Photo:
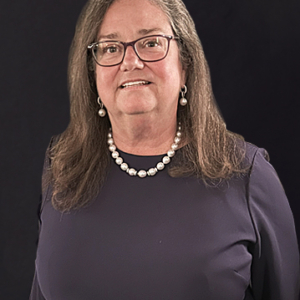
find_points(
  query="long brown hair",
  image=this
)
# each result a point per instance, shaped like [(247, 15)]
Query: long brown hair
[(80, 159)]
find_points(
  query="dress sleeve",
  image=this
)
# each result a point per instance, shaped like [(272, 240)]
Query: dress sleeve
[(36, 293), (275, 264)]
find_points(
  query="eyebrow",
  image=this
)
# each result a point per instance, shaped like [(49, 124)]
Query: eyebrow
[(147, 31), (115, 35)]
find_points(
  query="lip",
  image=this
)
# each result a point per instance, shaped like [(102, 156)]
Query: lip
[(133, 80)]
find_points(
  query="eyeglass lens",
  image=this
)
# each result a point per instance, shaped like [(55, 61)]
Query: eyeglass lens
[(148, 49)]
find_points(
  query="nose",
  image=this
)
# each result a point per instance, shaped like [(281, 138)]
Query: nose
[(131, 61)]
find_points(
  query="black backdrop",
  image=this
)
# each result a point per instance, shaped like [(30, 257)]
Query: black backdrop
[(252, 48)]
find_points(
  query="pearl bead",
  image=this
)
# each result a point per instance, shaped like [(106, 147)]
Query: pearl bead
[(142, 173), (178, 133), (132, 172), (166, 160), (110, 141), (102, 112), (174, 146), (171, 153), (119, 160), (112, 148), (177, 139), (160, 166), (179, 128), (115, 154), (124, 166), (183, 101), (151, 172), (109, 135)]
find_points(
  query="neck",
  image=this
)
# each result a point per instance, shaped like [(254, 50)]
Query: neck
[(141, 136)]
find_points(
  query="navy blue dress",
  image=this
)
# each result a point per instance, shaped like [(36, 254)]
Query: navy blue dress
[(172, 238)]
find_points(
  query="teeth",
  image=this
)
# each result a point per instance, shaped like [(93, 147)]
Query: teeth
[(127, 84)]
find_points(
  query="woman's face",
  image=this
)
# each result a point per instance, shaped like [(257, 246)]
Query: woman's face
[(128, 20)]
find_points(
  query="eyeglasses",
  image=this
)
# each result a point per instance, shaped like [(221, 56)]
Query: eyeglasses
[(148, 49)]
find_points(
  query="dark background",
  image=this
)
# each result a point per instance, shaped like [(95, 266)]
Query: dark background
[(252, 48)]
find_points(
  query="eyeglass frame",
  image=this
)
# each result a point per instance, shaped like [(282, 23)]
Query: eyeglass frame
[(125, 45)]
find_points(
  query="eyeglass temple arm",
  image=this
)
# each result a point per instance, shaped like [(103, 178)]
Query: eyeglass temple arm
[(92, 45)]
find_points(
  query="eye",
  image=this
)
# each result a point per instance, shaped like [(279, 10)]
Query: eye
[(151, 43), (109, 48)]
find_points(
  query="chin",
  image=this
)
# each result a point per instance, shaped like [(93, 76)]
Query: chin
[(137, 111), (137, 108)]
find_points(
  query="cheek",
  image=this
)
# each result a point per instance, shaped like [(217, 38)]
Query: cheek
[(105, 80), (170, 73)]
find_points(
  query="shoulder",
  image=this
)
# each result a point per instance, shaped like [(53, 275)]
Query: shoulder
[(266, 196), (47, 162), (257, 163), (260, 168), (254, 155), (264, 190), (262, 177), (53, 141)]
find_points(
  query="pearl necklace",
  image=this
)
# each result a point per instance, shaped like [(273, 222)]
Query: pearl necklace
[(142, 173)]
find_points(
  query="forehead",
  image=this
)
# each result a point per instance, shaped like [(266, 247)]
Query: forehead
[(134, 18)]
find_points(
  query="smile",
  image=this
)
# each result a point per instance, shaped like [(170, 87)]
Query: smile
[(134, 83)]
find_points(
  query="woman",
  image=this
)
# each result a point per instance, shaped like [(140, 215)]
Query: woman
[(118, 219)]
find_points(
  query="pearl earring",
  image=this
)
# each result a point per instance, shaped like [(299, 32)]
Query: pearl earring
[(183, 101), (101, 111)]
